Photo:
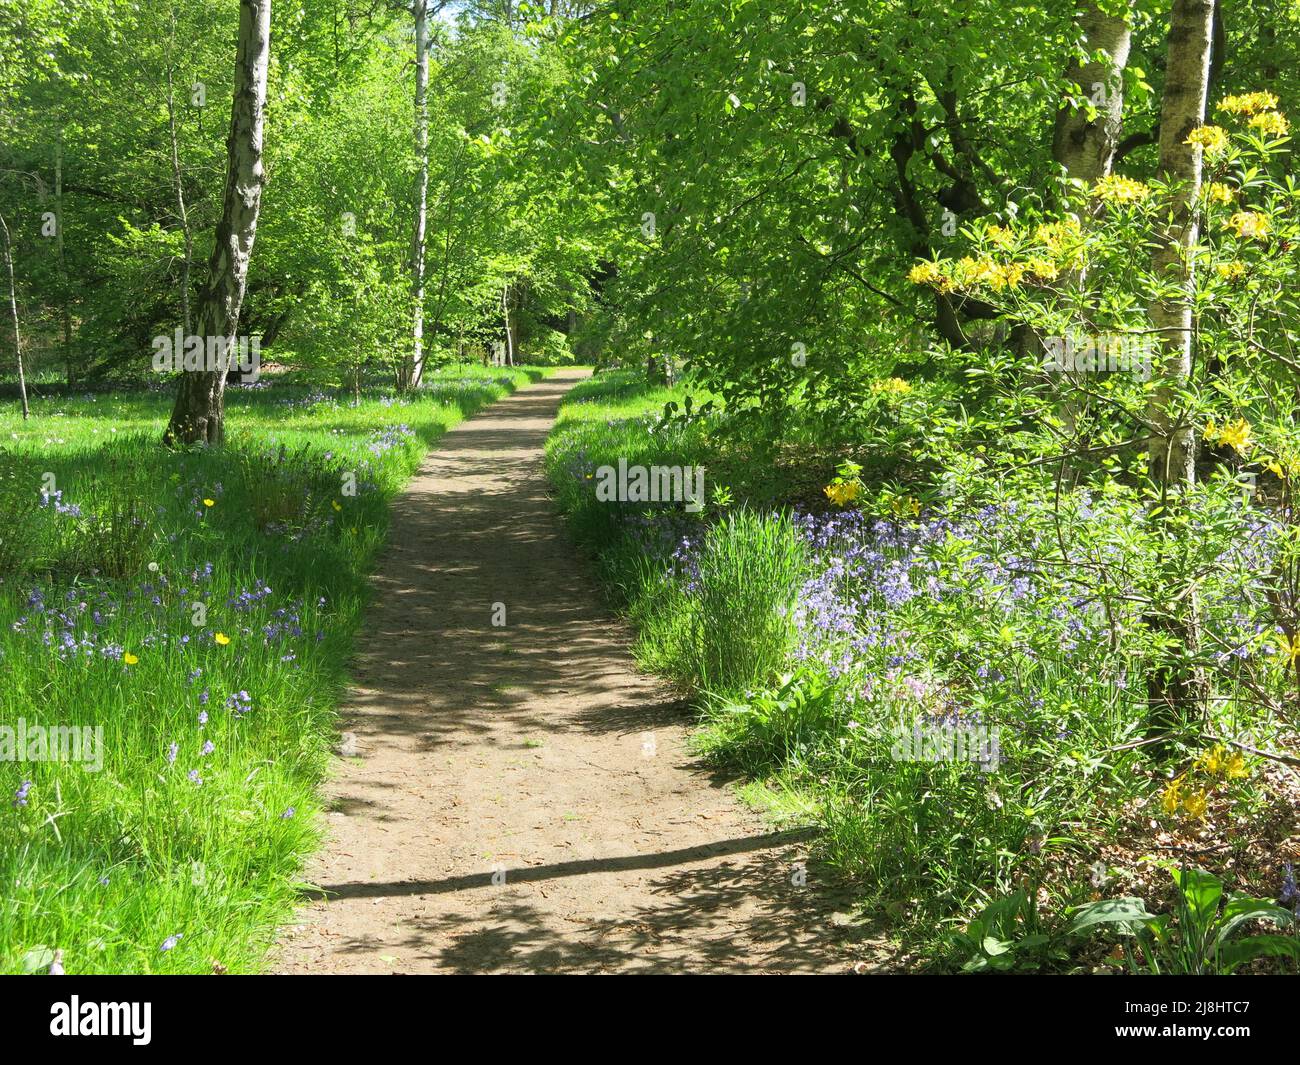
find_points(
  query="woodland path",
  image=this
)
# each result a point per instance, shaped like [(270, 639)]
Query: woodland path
[(523, 799)]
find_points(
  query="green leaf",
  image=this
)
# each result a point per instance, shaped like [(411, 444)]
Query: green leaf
[(1239, 910), (1202, 891), (1235, 954), (1127, 912)]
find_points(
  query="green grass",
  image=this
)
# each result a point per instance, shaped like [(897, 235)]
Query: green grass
[(108, 865), (928, 625)]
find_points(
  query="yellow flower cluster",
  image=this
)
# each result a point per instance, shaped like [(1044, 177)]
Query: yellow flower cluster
[(1235, 434), (1250, 224), (894, 385), (842, 493), (1218, 192), (1217, 762), (1061, 238), (1114, 188), (1000, 236), (1212, 138), (1270, 123), (1231, 271), (1218, 766), (930, 273), (1043, 269), (1063, 242), (1249, 103)]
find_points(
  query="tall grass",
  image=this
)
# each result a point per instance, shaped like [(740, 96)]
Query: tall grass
[(742, 600), (814, 642), (198, 607)]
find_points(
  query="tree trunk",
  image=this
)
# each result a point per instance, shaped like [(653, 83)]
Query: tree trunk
[(1086, 148), (505, 313), (177, 178), (13, 313), (199, 413), (421, 190), (1175, 688), (65, 292)]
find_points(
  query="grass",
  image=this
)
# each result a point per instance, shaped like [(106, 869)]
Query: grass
[(147, 588), (807, 641)]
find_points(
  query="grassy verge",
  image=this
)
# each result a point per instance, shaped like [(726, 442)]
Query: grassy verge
[(839, 655), (195, 612)]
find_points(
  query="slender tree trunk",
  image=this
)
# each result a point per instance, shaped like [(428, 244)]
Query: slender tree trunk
[(65, 293), (1173, 442), (13, 314), (178, 180), (421, 189), (199, 413), (1174, 689), (505, 313), (1086, 147)]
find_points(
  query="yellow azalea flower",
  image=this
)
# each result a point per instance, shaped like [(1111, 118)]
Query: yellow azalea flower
[(209, 502), (1006, 276), (1275, 468), (1235, 434), (1271, 123), (1115, 188), (1196, 805), (1248, 103), (1218, 192), (975, 271), (1250, 224), (222, 638), (129, 658), (1212, 138), (895, 385), (1058, 236), (932, 274), (1231, 271), (843, 492), (1213, 761), (924, 273), (1043, 269), (1001, 236), (1171, 798), (1235, 767)]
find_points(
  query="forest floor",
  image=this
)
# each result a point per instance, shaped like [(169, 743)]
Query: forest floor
[(521, 799)]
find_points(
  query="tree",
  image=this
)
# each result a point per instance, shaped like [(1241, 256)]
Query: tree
[(1087, 135), (199, 413), (411, 378), (13, 315), (1175, 687)]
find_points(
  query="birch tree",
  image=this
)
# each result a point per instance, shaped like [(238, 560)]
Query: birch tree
[(1173, 689), (199, 413), (415, 369)]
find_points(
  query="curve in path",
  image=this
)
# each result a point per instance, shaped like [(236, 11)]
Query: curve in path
[(522, 799)]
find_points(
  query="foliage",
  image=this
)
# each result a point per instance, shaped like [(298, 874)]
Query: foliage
[(1200, 937)]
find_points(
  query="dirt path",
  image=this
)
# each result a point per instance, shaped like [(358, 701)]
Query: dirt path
[(523, 800)]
